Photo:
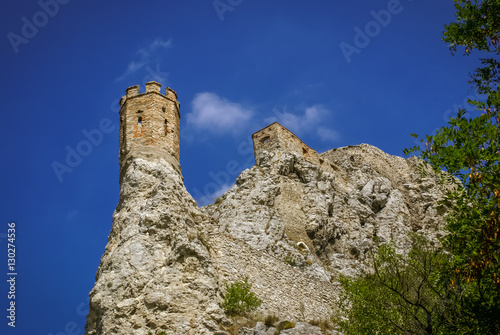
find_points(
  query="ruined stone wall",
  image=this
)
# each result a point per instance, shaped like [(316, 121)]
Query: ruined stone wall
[(277, 139), (149, 119)]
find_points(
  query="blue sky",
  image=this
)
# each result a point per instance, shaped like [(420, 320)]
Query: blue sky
[(335, 73)]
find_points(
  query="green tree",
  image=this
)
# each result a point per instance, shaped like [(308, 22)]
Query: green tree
[(239, 298), (455, 290), (468, 149), (404, 295)]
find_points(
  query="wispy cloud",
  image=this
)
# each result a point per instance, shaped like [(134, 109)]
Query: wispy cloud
[(131, 68), (307, 122), (146, 55), (298, 123), (71, 215), (217, 115), (208, 199), (158, 43), (328, 135)]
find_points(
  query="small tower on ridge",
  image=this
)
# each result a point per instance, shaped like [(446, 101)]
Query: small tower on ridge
[(149, 119)]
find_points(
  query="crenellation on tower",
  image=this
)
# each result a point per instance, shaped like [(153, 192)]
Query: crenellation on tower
[(132, 91), (153, 86), (171, 94), (149, 119)]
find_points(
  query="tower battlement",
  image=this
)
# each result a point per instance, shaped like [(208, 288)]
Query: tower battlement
[(151, 86), (149, 119)]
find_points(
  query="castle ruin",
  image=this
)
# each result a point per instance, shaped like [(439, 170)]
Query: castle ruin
[(292, 224), (278, 139), (151, 120)]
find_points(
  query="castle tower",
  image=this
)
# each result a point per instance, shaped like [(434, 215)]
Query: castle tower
[(149, 119)]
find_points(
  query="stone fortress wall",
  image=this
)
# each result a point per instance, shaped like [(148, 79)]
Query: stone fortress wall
[(277, 139)]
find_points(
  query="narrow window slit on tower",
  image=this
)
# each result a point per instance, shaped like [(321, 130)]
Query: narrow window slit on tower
[(166, 130), (139, 120), (163, 109)]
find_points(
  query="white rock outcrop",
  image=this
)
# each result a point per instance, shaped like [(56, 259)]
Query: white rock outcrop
[(155, 274), (289, 225)]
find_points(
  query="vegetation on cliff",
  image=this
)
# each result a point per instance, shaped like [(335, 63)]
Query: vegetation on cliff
[(239, 298), (465, 290), (404, 294)]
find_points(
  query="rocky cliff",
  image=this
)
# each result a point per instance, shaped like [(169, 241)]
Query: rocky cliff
[(291, 224)]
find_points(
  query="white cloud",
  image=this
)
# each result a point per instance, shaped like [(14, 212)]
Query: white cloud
[(157, 43), (161, 43), (208, 199), (300, 123), (146, 54), (307, 122), (134, 66), (131, 68), (71, 214), (217, 115), (328, 134)]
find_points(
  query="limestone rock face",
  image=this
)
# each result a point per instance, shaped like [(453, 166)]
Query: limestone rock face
[(325, 223), (289, 224), (155, 274)]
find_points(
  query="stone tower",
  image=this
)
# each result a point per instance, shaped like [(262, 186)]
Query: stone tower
[(149, 119)]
